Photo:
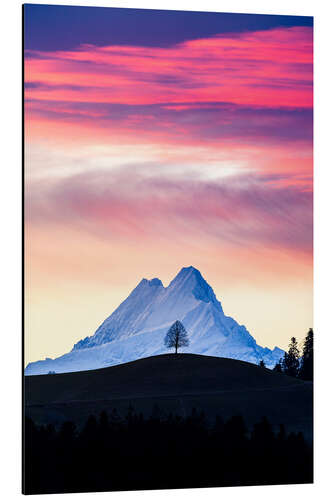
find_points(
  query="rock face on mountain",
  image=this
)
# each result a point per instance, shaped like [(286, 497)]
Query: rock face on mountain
[(136, 329)]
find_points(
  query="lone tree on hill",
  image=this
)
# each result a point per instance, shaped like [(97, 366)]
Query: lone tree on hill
[(262, 364), (176, 336)]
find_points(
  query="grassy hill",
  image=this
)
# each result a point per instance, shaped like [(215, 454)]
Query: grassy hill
[(173, 383)]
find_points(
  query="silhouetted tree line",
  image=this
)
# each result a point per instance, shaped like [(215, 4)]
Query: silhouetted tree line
[(293, 362), (110, 453)]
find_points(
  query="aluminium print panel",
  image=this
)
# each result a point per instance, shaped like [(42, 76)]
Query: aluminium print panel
[(168, 183)]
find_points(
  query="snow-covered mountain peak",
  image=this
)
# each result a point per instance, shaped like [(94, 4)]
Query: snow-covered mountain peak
[(144, 283), (191, 280), (186, 272), (137, 328), (145, 288)]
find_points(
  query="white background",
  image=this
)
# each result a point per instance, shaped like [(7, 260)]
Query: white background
[(10, 261)]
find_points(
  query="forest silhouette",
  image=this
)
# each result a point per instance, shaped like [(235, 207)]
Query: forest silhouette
[(110, 453)]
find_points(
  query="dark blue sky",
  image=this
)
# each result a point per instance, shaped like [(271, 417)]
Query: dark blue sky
[(50, 27)]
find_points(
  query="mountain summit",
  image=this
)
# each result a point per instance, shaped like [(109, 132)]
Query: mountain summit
[(136, 329)]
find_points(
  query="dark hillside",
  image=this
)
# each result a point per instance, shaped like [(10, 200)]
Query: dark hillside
[(173, 383)]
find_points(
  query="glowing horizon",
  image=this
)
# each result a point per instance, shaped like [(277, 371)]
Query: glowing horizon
[(146, 157)]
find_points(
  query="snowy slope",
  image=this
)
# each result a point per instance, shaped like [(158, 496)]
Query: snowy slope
[(137, 328)]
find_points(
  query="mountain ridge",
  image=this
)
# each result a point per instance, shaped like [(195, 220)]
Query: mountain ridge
[(136, 328)]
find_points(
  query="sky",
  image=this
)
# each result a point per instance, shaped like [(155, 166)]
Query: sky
[(156, 140)]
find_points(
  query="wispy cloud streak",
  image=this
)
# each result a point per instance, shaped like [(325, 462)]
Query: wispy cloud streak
[(241, 211), (251, 69)]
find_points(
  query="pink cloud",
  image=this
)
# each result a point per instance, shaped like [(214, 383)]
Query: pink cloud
[(258, 68), (241, 211)]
